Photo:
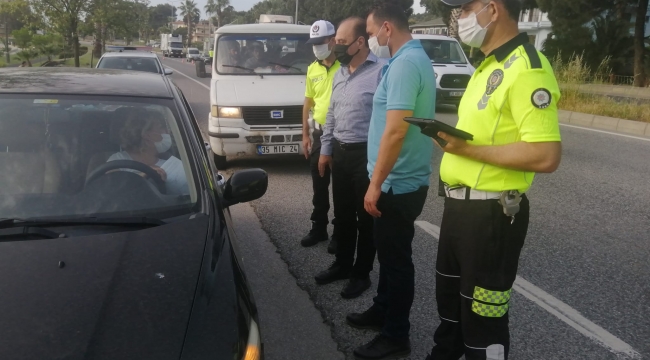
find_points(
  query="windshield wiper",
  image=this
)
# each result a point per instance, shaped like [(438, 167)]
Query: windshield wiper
[(252, 71), (287, 66), (90, 220)]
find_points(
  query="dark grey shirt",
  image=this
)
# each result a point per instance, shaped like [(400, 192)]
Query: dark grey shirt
[(348, 118)]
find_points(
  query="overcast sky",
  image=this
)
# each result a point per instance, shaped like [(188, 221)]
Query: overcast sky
[(241, 5)]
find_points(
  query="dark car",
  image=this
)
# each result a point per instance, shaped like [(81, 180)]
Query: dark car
[(116, 240)]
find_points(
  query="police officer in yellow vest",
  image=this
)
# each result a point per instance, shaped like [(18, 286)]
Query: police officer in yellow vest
[(320, 76), (510, 107)]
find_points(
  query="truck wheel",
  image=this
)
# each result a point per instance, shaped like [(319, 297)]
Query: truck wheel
[(220, 162)]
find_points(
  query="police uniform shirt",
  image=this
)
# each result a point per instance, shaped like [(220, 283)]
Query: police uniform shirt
[(511, 97), (319, 88)]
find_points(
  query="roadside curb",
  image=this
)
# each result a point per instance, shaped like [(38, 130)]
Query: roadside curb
[(631, 127)]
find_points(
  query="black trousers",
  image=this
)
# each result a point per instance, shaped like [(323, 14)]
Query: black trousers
[(394, 232), (321, 198), (353, 224), (477, 261)]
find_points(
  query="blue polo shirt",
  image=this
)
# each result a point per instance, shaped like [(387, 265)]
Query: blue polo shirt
[(408, 83)]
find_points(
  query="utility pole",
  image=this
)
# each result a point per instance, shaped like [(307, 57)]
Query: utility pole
[(296, 20)]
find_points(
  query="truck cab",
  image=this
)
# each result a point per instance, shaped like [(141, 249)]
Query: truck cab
[(450, 65), (257, 89)]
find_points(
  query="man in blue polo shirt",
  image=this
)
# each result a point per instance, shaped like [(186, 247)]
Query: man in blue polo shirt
[(399, 164)]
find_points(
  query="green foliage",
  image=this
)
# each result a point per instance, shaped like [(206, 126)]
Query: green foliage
[(198, 45), (22, 37), (26, 55), (180, 31), (48, 45)]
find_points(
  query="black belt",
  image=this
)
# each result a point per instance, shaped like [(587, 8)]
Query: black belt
[(352, 146)]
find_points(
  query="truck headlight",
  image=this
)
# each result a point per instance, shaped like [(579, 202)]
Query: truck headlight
[(226, 112), (254, 346)]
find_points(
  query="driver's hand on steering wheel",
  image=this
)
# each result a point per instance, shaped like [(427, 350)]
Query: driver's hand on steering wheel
[(160, 171)]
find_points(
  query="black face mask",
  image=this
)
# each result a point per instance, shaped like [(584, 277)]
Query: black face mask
[(341, 52)]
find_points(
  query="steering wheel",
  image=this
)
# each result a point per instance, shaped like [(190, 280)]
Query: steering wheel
[(127, 164)]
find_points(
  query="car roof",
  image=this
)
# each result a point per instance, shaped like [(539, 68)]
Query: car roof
[(265, 28), (130, 53), (432, 37), (83, 81)]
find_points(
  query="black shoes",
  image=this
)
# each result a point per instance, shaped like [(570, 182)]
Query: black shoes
[(371, 319), (355, 288), (317, 234), (333, 273), (383, 347), (333, 246)]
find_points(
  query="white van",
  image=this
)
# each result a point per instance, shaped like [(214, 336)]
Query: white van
[(258, 89), (452, 68)]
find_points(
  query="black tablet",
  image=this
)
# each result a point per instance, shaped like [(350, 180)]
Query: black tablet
[(431, 128)]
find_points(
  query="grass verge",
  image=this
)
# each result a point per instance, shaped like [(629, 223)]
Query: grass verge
[(575, 72)]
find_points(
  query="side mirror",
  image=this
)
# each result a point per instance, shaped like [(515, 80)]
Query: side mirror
[(244, 186), (168, 71)]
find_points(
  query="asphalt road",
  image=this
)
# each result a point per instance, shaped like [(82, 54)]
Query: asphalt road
[(584, 291)]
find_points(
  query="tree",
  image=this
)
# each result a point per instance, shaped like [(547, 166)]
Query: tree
[(26, 55), (210, 8), (180, 31), (14, 15), (159, 16), (639, 44), (22, 38), (48, 45), (191, 14), (64, 17)]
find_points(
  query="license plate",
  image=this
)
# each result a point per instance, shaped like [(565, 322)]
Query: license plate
[(277, 149), (456, 93)]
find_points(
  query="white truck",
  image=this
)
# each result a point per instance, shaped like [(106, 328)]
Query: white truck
[(172, 46), (257, 89)]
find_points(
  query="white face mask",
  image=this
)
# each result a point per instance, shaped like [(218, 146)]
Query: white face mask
[(470, 31), (382, 51), (322, 52), (164, 144)]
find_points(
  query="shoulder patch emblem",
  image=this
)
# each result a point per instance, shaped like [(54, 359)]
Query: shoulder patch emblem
[(541, 98), (495, 79)]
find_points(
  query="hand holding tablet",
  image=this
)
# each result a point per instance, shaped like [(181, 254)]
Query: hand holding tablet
[(431, 128)]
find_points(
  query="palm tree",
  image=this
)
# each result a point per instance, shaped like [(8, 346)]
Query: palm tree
[(26, 55), (210, 8), (453, 23), (221, 5), (190, 12)]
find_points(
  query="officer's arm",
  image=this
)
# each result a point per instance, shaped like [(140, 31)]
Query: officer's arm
[(390, 145), (539, 157), (306, 107)]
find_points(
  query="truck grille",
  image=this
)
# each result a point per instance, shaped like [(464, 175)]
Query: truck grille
[(261, 115), (453, 81)]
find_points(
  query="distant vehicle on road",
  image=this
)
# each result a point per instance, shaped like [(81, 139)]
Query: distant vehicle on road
[(450, 65), (171, 46), (108, 255), (257, 89), (193, 54), (133, 60)]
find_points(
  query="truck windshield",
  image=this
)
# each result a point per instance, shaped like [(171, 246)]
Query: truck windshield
[(444, 51), (177, 45), (268, 54)]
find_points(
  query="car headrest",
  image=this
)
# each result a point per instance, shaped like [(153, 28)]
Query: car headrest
[(22, 135)]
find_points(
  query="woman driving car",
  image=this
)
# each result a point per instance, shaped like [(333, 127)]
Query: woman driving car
[(143, 138)]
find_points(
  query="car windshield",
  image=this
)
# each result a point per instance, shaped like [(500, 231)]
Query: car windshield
[(58, 153), (444, 51), (194, 51), (272, 54), (177, 45), (130, 63)]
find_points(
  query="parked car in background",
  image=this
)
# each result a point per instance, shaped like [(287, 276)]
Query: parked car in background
[(133, 60), (193, 54), (103, 257), (451, 66)]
